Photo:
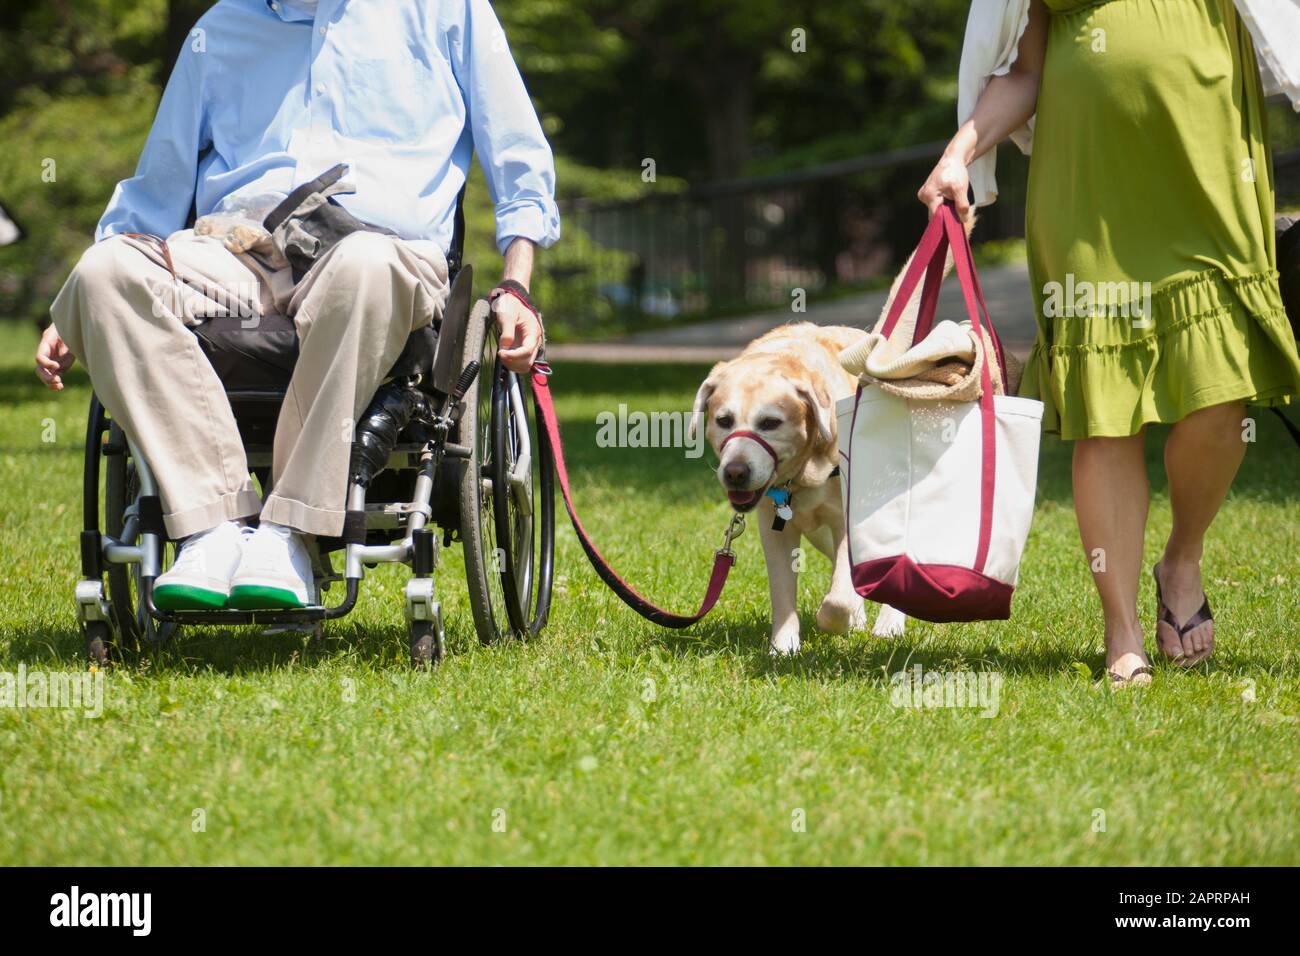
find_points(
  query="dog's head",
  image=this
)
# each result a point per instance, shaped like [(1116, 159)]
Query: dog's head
[(770, 421)]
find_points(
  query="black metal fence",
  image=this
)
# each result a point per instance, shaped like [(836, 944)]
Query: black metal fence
[(752, 244)]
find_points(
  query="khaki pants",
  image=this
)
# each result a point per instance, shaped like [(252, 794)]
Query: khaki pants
[(123, 315)]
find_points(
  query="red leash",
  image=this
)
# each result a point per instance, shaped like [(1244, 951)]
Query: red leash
[(723, 558)]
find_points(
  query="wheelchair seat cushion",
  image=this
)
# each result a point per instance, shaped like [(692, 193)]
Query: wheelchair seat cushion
[(258, 355), (250, 354)]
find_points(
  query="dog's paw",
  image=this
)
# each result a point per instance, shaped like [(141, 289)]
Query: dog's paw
[(784, 644), (889, 622), (839, 616)]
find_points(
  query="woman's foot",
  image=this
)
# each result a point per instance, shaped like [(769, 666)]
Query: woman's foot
[(1126, 660), (1184, 622)]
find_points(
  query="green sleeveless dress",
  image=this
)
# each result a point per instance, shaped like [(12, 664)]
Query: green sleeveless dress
[(1149, 220)]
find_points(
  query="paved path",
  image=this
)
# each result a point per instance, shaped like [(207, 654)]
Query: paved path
[(1006, 290)]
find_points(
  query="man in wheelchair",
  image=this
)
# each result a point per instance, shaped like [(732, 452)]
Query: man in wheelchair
[(267, 96)]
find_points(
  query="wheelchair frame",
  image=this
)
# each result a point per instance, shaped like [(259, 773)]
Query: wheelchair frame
[(477, 448)]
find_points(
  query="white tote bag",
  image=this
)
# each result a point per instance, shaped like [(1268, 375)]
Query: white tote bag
[(939, 494)]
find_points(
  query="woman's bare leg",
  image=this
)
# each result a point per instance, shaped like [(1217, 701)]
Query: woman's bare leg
[(1111, 495), (1202, 456)]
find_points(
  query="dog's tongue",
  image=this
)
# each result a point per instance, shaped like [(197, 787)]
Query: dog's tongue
[(742, 497)]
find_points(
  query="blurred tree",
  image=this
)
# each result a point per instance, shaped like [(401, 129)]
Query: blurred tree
[(78, 89), (706, 89)]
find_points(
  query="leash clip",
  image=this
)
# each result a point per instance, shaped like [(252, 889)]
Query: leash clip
[(734, 530)]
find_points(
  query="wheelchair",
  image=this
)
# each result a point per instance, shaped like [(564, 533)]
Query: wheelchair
[(469, 463)]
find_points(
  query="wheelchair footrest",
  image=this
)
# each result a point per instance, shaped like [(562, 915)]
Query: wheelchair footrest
[(298, 615)]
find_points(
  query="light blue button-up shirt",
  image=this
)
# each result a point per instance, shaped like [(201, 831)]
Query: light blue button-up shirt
[(268, 94)]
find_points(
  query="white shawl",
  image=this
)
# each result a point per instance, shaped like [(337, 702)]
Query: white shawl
[(994, 28)]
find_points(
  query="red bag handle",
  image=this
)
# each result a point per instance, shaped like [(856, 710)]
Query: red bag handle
[(931, 253), (965, 265), (929, 257), (944, 231)]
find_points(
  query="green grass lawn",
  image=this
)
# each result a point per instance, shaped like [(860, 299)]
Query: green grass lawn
[(609, 740)]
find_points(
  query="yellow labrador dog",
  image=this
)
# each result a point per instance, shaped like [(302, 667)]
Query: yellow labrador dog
[(770, 416)]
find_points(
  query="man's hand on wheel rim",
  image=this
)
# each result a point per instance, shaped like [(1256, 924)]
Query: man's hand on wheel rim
[(521, 333)]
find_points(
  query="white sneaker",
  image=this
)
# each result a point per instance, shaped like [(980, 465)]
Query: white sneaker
[(275, 571), (200, 578)]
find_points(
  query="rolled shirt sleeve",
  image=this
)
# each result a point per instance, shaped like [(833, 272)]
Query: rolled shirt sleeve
[(508, 138), (157, 199)]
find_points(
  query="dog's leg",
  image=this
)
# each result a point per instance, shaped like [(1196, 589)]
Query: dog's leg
[(782, 580), (842, 610), (889, 622)]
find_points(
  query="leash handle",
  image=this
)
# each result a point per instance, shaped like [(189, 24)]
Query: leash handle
[(723, 558)]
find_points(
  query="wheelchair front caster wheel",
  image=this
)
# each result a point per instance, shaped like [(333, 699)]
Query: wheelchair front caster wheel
[(428, 643), (99, 643)]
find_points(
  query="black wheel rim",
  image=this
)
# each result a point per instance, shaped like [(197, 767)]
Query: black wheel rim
[(150, 630), (513, 497), (524, 507), (494, 556), (133, 622), (544, 503)]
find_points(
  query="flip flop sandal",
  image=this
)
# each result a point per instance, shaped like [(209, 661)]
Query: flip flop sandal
[(1166, 616), (1118, 680)]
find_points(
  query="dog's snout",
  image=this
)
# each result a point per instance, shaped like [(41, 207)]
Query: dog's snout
[(736, 474)]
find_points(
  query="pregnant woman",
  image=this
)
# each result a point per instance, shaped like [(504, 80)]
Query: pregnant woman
[(1149, 227)]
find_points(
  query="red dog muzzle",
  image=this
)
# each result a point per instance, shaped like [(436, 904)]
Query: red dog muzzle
[(756, 437)]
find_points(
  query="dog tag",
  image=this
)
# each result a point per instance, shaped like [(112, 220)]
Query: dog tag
[(781, 499)]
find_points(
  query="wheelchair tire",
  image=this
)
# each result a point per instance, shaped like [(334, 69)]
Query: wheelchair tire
[(133, 626), (428, 643), (100, 644), (483, 566), (523, 511)]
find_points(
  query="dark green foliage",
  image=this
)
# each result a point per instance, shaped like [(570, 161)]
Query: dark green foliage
[(709, 90)]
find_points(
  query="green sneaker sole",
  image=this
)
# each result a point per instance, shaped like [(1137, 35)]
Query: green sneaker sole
[(257, 597), (186, 597)]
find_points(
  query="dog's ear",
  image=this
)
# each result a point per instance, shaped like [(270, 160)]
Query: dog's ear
[(702, 398), (818, 403)]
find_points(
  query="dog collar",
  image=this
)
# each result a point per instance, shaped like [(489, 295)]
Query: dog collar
[(755, 437)]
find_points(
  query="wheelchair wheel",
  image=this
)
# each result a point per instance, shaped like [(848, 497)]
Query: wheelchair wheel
[(507, 502), (483, 562), (523, 502), (132, 624)]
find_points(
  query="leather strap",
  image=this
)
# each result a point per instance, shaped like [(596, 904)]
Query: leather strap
[(723, 558)]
